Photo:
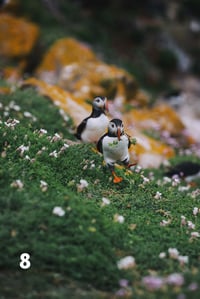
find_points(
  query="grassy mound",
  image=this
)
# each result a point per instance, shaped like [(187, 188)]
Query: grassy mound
[(40, 169)]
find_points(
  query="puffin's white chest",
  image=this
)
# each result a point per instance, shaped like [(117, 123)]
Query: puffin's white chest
[(114, 149), (95, 128)]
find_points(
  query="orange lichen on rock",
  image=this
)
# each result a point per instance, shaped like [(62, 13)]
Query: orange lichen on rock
[(63, 52), (65, 100), (12, 74), (88, 79), (74, 67), (5, 90), (148, 151), (161, 117), (17, 36)]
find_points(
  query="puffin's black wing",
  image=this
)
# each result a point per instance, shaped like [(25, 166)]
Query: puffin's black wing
[(100, 143), (129, 140), (81, 128)]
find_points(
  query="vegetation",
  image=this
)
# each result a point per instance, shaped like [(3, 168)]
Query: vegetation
[(96, 223)]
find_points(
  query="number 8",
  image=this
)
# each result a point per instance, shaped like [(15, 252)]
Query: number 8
[(25, 263)]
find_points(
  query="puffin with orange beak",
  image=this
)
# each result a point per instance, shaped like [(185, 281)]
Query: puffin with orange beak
[(94, 126), (114, 146)]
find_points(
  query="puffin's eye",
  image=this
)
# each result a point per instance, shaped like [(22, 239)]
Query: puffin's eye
[(112, 125)]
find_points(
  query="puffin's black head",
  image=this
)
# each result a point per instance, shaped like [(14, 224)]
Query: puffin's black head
[(100, 103), (115, 128)]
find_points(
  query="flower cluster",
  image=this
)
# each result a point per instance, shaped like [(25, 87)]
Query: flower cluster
[(11, 123), (58, 211), (174, 254), (82, 185), (153, 282), (190, 225), (125, 263)]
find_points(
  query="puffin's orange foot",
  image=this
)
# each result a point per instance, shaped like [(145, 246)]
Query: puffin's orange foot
[(117, 179)]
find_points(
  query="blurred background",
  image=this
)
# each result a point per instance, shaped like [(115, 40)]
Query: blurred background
[(138, 54), (156, 40)]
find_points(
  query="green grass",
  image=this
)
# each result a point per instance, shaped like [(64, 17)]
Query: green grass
[(80, 250)]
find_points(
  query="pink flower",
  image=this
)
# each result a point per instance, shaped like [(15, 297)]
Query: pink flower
[(183, 220), (183, 259), (153, 282), (173, 253), (194, 235), (175, 279), (191, 225), (193, 286), (195, 211), (123, 283)]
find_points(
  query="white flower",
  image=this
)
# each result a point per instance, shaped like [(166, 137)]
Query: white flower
[(56, 137), (17, 184), (173, 253), (138, 168), (105, 201), (183, 188), (191, 225), (195, 235), (58, 211), (183, 259), (54, 154), (126, 263), (166, 180), (83, 184), (162, 255), (195, 211), (158, 195), (11, 123), (195, 193), (165, 222), (14, 106), (42, 131), (43, 186), (22, 148), (29, 115), (175, 180), (119, 218), (145, 179)]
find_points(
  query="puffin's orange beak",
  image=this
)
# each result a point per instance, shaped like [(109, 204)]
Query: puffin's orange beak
[(118, 133)]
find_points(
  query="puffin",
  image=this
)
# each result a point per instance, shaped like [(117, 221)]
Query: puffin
[(186, 170), (114, 145), (94, 126)]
